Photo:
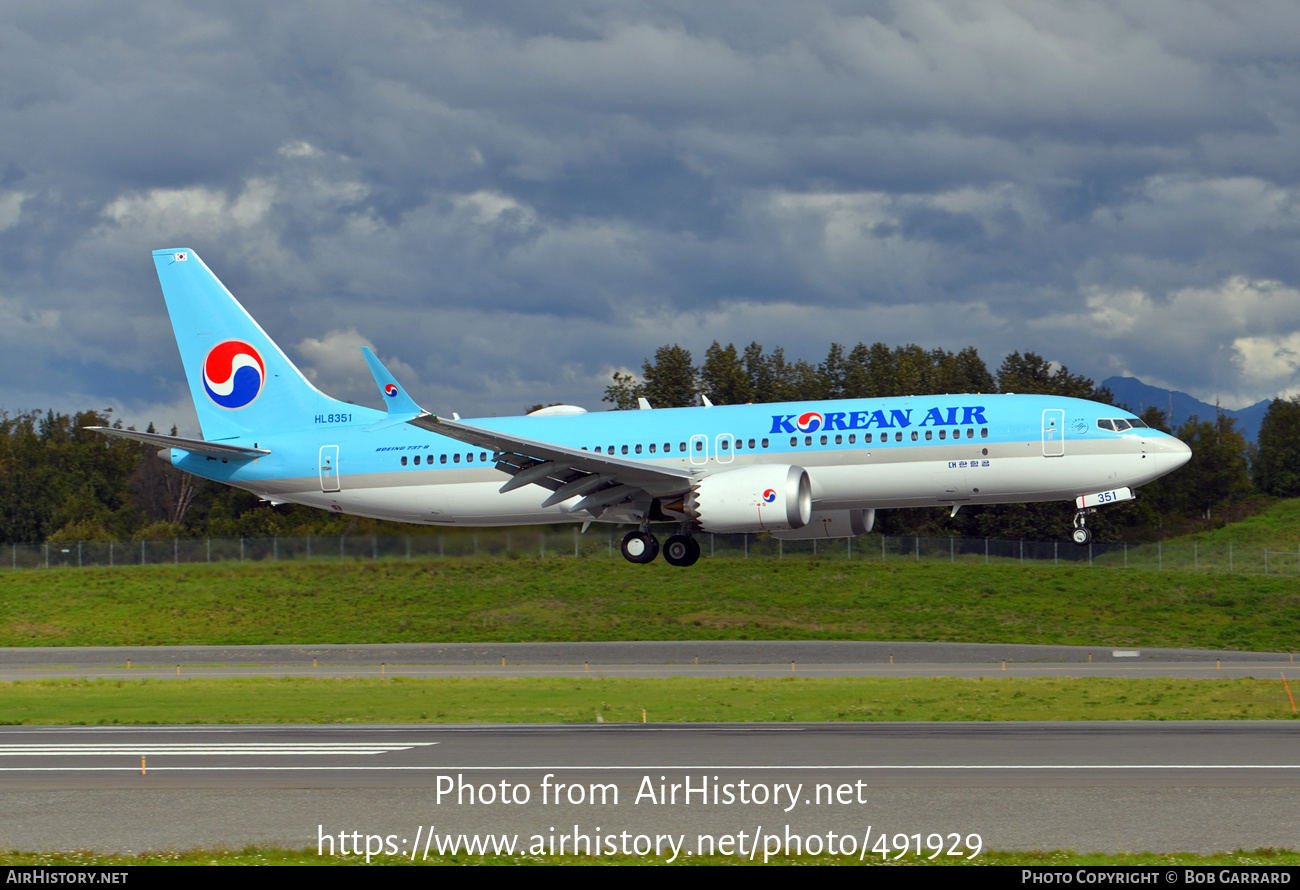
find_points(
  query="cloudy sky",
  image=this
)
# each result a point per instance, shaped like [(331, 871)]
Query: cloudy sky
[(511, 200)]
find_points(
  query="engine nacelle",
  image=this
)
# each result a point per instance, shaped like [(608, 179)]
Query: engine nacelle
[(831, 524), (759, 498)]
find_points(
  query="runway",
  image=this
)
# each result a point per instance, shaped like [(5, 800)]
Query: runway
[(1099, 786), (733, 658)]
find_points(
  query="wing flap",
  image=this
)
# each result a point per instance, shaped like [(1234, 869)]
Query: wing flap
[(195, 446)]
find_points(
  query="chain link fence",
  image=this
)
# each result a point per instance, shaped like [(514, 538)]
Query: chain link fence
[(604, 544)]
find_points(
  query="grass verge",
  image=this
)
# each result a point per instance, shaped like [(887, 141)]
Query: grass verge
[(621, 700), (274, 856), (540, 600)]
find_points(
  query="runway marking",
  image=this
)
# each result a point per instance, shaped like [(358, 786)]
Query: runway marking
[(189, 750), (676, 767)]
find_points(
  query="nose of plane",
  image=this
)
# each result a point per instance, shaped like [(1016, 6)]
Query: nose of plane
[(1169, 453)]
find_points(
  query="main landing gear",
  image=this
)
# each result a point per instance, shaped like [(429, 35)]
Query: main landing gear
[(1080, 535), (642, 547)]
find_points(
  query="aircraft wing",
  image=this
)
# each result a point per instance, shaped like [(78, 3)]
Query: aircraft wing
[(603, 479), (197, 446)]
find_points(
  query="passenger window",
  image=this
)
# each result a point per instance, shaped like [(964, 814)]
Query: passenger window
[(943, 434), (898, 437), (839, 440), (984, 433), (823, 440), (624, 449), (853, 438), (417, 460), (681, 446), (807, 440), (469, 458), (929, 434), (866, 438), (668, 447), (970, 433), (403, 460), (794, 441), (914, 436), (740, 443), (442, 458), (764, 443), (726, 446), (455, 458), (482, 455), (638, 449), (652, 447), (699, 445)]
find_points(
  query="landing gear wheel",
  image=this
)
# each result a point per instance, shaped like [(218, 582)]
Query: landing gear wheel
[(1081, 536), (639, 547), (680, 550)]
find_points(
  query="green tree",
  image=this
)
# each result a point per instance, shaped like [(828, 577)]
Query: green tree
[(1276, 468), (723, 376)]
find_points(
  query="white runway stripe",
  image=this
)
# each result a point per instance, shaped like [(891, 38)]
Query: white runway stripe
[(147, 750)]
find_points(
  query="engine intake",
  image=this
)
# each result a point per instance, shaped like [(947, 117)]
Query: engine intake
[(760, 498)]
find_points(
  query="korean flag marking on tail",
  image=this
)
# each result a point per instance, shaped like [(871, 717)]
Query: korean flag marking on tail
[(182, 257), (390, 390), (233, 374)]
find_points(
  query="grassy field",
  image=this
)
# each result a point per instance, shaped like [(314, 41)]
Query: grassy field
[(522, 600), (275, 856), (622, 700)]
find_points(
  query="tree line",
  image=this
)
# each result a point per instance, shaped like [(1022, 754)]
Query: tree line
[(62, 483)]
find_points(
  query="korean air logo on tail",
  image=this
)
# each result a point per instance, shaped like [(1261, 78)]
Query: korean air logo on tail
[(233, 374), (390, 390), (810, 422), (769, 496)]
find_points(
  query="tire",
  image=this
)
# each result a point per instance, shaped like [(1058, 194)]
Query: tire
[(639, 547), (680, 550), (1081, 536)]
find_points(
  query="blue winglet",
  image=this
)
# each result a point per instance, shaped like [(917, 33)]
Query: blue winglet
[(401, 407)]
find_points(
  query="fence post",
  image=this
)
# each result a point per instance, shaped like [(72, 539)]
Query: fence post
[(210, 547), (110, 556), (78, 554), (47, 553), (342, 553), (849, 542), (476, 544), (1055, 548), (176, 551), (882, 546), (408, 548), (440, 550), (917, 543), (746, 536), (541, 543), (814, 546), (142, 553), (611, 545), (712, 543), (374, 546), (241, 548), (780, 548), (1230, 556), (1265, 560), (509, 542), (1196, 557), (986, 550), (575, 543), (1090, 554), (952, 550), (1126, 554), (1022, 551), (275, 548), (1160, 555)]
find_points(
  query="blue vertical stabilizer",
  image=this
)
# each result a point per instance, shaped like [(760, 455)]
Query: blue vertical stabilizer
[(241, 382)]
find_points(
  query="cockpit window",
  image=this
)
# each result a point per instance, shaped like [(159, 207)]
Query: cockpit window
[(1119, 424), (1105, 424), (1138, 424)]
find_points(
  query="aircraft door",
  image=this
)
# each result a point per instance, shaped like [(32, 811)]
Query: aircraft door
[(1054, 432), (329, 468), (722, 449), (699, 450)]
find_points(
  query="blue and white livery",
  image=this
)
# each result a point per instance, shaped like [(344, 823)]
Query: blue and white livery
[(796, 470)]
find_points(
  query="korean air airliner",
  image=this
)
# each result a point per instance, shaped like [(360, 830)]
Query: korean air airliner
[(795, 470)]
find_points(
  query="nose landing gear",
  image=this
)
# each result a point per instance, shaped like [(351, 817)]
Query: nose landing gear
[(1081, 535)]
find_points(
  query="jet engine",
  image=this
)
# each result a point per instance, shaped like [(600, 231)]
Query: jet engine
[(760, 498)]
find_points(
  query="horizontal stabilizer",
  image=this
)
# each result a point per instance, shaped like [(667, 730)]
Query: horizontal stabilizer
[(195, 446)]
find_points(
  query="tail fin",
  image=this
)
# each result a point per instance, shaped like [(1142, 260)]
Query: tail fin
[(241, 382)]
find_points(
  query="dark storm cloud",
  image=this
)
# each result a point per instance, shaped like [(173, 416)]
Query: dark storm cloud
[(513, 199)]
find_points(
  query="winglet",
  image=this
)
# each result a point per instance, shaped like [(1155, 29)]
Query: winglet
[(396, 399)]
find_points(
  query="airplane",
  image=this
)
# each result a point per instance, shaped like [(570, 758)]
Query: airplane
[(796, 470)]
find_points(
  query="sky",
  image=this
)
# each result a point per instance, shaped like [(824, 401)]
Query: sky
[(510, 201)]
